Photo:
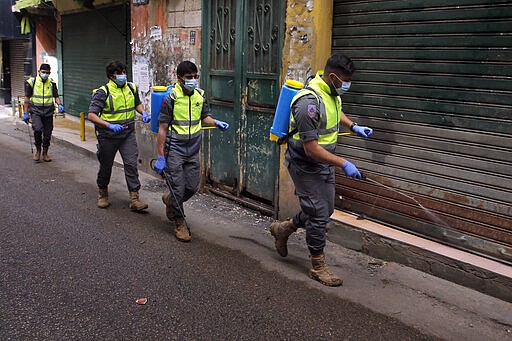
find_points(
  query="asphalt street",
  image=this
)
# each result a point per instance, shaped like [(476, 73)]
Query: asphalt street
[(69, 270)]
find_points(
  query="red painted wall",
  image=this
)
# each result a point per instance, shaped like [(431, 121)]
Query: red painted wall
[(46, 39)]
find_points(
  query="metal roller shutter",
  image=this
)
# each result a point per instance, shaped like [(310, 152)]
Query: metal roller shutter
[(20, 61), (433, 80), (89, 41)]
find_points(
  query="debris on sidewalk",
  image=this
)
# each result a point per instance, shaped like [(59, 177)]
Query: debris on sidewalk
[(375, 264), (141, 301)]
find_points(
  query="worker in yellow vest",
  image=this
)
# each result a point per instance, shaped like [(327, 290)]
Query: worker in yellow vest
[(112, 110), (40, 94), (182, 114), (316, 114)]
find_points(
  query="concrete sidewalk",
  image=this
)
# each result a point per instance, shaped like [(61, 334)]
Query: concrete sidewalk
[(379, 281)]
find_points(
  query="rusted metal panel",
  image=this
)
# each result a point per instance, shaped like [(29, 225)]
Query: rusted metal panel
[(446, 214), (452, 208), (434, 83)]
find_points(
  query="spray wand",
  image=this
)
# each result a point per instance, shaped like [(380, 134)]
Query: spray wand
[(167, 178)]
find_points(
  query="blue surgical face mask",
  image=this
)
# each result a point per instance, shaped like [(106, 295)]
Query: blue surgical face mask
[(44, 76), (120, 80), (190, 84), (344, 88)]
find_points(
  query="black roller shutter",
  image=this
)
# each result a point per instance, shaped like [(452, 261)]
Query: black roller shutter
[(434, 81), (89, 41)]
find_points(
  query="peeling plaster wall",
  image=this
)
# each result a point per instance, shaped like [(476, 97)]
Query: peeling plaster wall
[(307, 45), (298, 51), (164, 33), (163, 41)]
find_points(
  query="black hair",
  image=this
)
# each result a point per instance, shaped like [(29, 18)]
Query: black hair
[(114, 66), (45, 67), (340, 63), (185, 67)]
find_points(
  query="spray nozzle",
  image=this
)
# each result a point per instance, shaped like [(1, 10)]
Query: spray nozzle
[(363, 176)]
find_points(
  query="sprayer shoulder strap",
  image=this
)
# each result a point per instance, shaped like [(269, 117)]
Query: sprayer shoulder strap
[(294, 131), (170, 103), (107, 91), (130, 85)]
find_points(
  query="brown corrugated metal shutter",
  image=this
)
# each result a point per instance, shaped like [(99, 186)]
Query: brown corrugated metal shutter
[(89, 41), (434, 81), (20, 59)]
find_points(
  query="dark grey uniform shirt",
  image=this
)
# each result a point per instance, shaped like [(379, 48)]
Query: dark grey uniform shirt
[(306, 111), (187, 147)]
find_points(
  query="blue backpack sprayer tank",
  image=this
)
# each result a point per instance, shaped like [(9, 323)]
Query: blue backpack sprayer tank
[(158, 92), (279, 129)]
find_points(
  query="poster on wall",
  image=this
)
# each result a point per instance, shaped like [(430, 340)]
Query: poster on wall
[(141, 75), (155, 33)]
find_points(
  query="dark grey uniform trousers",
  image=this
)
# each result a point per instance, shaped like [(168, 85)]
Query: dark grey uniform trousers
[(184, 178), (43, 127), (127, 147), (316, 197)]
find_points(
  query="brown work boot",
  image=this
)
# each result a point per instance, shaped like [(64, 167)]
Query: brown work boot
[(46, 158), (37, 153), (320, 272), (180, 230), (135, 203), (281, 231), (168, 208), (103, 198)]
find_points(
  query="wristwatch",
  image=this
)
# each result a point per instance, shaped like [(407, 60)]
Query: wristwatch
[(352, 126)]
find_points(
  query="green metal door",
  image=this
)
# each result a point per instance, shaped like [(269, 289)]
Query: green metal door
[(241, 63)]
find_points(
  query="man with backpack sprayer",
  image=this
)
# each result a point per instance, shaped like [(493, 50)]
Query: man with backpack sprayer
[(112, 110), (316, 114), (40, 92), (182, 114)]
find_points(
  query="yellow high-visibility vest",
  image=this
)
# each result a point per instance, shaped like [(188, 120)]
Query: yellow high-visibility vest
[(186, 121), (330, 110)]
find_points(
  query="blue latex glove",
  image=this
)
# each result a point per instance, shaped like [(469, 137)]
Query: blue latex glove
[(26, 117), (145, 117), (362, 131), (61, 108), (116, 128), (223, 126), (350, 170), (160, 164)]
